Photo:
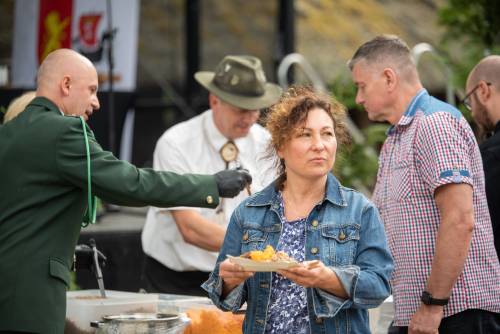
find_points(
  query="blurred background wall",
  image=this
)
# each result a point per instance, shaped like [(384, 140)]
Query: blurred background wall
[(178, 37)]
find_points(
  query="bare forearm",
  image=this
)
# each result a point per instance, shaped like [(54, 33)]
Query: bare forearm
[(453, 239), (209, 241), (199, 231), (452, 246)]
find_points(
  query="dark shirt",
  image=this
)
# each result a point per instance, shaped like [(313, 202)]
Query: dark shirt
[(490, 152)]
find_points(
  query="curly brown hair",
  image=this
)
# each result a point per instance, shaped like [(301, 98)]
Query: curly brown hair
[(291, 111)]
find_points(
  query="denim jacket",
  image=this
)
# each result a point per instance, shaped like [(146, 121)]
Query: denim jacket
[(344, 231)]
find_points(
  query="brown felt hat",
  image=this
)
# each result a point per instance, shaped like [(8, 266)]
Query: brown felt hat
[(241, 82)]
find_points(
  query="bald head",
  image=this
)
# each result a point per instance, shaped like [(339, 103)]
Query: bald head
[(70, 81), (488, 69), (483, 95), (59, 63)]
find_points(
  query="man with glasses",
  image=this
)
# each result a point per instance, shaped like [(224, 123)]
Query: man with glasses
[(483, 100)]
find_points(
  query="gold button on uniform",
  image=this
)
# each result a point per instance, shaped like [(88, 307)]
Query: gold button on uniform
[(314, 223), (210, 199), (314, 250), (341, 235), (245, 237)]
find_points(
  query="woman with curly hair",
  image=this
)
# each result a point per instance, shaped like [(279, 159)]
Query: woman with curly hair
[(310, 216)]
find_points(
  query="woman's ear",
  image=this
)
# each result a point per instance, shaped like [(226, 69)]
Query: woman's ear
[(279, 152)]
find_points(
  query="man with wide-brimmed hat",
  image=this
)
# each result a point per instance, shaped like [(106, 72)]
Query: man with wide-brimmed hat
[(181, 244)]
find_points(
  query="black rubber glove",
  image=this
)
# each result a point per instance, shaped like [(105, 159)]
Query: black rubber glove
[(230, 182)]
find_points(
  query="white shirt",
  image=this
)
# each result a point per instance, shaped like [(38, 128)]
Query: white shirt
[(193, 147)]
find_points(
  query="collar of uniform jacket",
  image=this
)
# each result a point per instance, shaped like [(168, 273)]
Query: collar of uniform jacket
[(46, 103)]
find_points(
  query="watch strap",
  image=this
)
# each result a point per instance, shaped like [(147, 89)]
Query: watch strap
[(427, 299)]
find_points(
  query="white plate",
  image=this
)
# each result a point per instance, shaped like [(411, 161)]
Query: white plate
[(262, 266)]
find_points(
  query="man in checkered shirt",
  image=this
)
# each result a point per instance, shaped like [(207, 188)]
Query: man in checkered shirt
[(431, 195)]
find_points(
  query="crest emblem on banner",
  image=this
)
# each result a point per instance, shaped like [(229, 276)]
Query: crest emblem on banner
[(88, 42), (87, 29)]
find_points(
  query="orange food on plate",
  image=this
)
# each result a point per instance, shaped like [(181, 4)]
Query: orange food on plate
[(265, 255), (213, 321), (268, 255)]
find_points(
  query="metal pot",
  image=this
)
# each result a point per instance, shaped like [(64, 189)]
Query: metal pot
[(142, 323)]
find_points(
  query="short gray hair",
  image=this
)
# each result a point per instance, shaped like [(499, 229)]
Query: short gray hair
[(381, 47), (389, 51)]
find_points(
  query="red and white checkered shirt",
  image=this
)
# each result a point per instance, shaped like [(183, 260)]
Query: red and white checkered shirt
[(433, 145)]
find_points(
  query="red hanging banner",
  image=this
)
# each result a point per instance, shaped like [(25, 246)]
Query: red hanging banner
[(54, 26)]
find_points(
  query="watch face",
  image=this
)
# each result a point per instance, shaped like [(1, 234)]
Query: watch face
[(229, 152), (426, 298)]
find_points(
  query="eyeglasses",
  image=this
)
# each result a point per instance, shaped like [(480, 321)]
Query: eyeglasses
[(466, 100)]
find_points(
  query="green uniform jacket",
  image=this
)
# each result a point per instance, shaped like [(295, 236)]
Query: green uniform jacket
[(43, 196)]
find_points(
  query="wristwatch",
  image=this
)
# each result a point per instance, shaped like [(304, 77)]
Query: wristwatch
[(427, 299)]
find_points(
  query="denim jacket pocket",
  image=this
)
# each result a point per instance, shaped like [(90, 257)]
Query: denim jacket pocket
[(341, 241), (253, 239)]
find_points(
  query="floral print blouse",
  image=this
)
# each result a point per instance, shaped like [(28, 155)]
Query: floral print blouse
[(288, 304)]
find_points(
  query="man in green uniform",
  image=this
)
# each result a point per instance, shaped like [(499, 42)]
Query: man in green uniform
[(43, 192)]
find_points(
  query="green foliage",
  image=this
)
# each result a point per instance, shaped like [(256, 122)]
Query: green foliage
[(72, 283), (475, 24), (478, 21), (344, 91), (357, 165)]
